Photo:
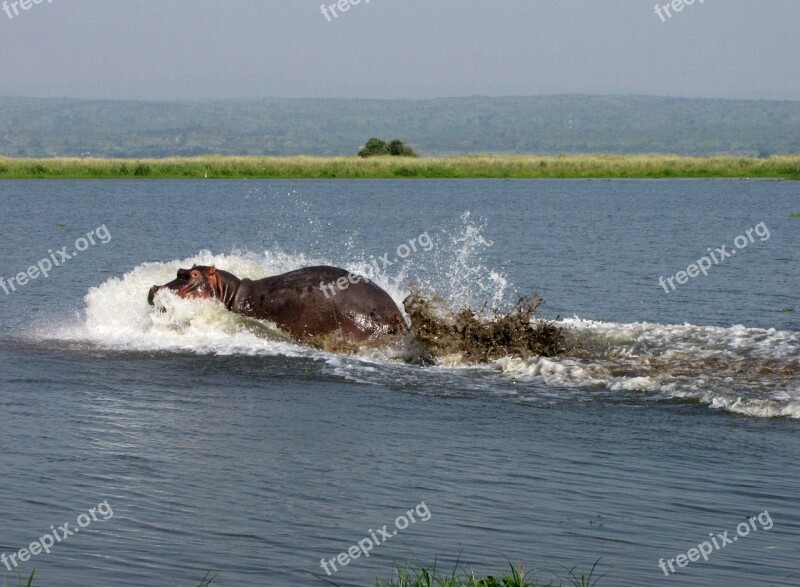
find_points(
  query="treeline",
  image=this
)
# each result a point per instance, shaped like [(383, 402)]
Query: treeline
[(329, 127)]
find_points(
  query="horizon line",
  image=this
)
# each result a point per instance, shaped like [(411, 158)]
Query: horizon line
[(363, 99)]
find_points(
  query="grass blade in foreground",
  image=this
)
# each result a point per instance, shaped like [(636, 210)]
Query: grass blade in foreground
[(424, 577)]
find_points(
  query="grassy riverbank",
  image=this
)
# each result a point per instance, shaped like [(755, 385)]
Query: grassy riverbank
[(471, 166)]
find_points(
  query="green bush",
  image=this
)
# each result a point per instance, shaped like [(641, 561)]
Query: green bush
[(398, 149), (376, 147), (142, 170)]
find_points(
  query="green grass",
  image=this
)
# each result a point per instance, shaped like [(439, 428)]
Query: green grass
[(794, 215), (408, 577), (516, 577), (431, 578), (19, 580), (469, 166)]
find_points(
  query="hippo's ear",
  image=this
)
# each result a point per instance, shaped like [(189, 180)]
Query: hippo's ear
[(212, 270), (194, 266)]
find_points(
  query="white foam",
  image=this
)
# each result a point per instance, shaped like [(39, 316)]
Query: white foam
[(750, 371), (758, 408)]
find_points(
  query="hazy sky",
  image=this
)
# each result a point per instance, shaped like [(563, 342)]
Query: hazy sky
[(190, 49)]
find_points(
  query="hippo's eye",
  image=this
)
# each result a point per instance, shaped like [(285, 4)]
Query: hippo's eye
[(194, 274)]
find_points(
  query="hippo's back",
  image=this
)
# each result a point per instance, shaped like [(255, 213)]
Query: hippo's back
[(321, 301)]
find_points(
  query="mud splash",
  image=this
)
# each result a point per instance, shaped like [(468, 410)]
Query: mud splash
[(441, 331)]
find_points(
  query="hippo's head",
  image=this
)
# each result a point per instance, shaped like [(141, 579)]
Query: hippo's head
[(199, 282)]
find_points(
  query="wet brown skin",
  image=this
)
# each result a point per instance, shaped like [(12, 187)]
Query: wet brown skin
[(307, 303)]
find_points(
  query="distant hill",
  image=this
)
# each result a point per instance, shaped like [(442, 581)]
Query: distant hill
[(546, 124)]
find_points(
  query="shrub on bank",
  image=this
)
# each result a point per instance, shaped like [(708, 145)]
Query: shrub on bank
[(376, 147)]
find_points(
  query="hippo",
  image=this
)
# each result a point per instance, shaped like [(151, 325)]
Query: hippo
[(308, 304)]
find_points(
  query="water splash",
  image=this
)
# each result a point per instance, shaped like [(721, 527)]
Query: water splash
[(457, 271), (741, 370)]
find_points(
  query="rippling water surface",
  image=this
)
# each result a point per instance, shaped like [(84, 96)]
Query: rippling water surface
[(221, 445)]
